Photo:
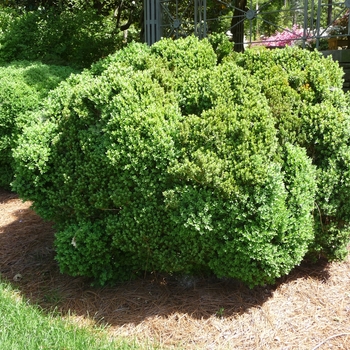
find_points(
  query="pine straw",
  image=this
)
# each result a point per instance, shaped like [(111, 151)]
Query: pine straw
[(308, 309)]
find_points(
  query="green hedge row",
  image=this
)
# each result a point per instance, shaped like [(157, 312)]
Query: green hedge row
[(184, 159)]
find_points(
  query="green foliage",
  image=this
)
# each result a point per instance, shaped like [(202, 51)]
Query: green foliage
[(6, 18), (190, 54), (159, 158), (75, 37), (123, 122), (304, 91), (241, 207), (221, 45), (23, 86)]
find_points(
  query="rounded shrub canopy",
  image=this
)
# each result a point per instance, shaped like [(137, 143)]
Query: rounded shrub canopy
[(162, 159)]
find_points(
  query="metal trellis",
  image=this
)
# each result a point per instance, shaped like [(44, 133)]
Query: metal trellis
[(180, 18)]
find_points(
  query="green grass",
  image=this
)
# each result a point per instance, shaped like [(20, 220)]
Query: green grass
[(27, 327)]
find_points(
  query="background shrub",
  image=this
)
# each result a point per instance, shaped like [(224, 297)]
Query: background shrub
[(23, 86), (75, 37), (156, 159)]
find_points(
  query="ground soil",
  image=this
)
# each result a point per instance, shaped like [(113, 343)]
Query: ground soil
[(308, 309)]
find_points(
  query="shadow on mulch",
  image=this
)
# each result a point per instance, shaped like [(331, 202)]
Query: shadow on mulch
[(6, 196), (27, 261)]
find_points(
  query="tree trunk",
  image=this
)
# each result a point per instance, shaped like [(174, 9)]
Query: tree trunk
[(329, 12), (237, 24)]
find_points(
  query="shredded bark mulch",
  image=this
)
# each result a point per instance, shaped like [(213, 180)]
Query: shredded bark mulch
[(308, 309)]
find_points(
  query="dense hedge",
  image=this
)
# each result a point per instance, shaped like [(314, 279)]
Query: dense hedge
[(23, 86), (161, 158)]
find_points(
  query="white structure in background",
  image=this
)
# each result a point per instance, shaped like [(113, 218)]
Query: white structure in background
[(179, 18)]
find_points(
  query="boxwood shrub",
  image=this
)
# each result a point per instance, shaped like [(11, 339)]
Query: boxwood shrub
[(23, 86), (304, 91), (160, 159)]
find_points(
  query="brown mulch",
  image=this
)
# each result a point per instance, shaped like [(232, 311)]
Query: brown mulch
[(308, 309)]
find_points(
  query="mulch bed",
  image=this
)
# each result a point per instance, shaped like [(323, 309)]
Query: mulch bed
[(308, 309)]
